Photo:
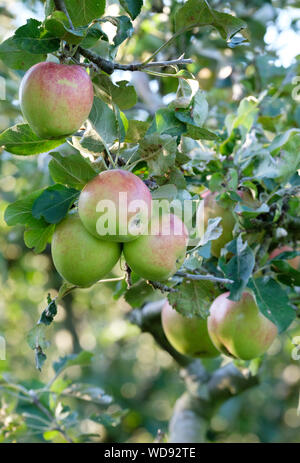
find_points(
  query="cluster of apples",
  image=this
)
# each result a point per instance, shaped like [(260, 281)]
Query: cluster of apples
[(83, 256), (235, 328), (55, 100)]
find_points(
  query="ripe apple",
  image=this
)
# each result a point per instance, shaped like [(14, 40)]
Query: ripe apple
[(158, 254), (213, 209), (115, 206), (238, 329), (56, 98), (79, 257), (189, 336), (295, 262)]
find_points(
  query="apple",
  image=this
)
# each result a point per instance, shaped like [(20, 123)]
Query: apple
[(79, 257), (189, 336), (213, 209), (295, 262), (56, 98), (238, 329), (158, 254), (115, 206)]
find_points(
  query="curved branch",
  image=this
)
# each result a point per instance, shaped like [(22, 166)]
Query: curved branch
[(205, 393), (148, 319)]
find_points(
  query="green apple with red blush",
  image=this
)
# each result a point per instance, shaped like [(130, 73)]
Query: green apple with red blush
[(189, 336), (238, 329), (158, 254), (79, 257), (56, 99), (115, 206)]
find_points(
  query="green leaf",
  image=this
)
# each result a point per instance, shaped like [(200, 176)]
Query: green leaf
[(193, 298), (21, 140), (213, 231), (132, 7), (84, 12), (38, 231), (122, 93), (16, 58), (177, 178), (239, 268), (58, 25), (285, 272), (51, 435), (195, 13), (159, 151), (136, 131), (249, 212), (168, 192), (104, 121), (245, 118), (88, 393), (33, 38), (124, 28), (20, 212), (37, 236), (54, 203), (166, 122), (184, 92), (199, 110), (139, 293), (199, 133), (49, 313), (273, 302), (72, 170), (36, 336), (82, 359), (109, 420), (94, 34)]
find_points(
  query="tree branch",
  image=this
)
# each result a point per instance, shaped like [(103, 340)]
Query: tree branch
[(192, 276), (109, 66), (161, 287), (148, 319), (205, 393)]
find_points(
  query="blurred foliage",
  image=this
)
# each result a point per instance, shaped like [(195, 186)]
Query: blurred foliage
[(141, 379)]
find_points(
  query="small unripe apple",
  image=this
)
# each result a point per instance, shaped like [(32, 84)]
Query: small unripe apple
[(189, 336), (79, 257), (238, 329), (158, 254), (295, 262), (213, 209), (115, 206), (56, 99)]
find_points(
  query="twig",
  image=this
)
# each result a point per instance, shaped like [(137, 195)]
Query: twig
[(192, 276), (128, 276), (161, 287)]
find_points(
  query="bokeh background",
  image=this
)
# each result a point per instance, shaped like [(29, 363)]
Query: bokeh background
[(141, 377)]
